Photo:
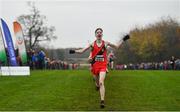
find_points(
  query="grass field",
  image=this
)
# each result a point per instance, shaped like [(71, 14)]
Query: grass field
[(74, 90)]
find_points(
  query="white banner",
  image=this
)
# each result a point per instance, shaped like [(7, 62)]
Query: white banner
[(16, 71)]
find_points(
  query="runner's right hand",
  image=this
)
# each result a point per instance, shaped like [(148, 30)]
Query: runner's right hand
[(71, 51)]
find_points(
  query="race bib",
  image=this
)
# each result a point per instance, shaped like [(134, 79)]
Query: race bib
[(99, 58)]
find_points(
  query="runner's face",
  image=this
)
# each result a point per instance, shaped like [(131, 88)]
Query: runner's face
[(99, 34)]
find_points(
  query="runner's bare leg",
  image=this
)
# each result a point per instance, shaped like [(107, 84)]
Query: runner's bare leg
[(102, 76), (96, 80)]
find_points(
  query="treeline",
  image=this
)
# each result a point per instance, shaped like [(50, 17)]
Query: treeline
[(154, 42)]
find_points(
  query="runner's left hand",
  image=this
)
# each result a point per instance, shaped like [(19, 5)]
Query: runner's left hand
[(126, 37)]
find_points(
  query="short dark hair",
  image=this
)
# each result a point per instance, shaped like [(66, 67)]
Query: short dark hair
[(98, 29)]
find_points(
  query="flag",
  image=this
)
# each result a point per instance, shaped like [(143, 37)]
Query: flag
[(3, 57), (20, 42), (9, 43)]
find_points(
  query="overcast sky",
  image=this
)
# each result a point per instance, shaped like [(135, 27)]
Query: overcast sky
[(76, 20)]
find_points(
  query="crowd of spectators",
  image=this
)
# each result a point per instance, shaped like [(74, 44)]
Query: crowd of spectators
[(39, 60), (172, 64)]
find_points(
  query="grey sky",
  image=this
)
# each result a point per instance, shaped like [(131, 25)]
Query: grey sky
[(76, 20)]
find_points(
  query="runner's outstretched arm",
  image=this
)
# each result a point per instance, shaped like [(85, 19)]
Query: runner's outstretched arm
[(119, 43), (115, 46), (79, 51)]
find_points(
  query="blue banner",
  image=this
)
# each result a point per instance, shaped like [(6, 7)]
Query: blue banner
[(9, 43)]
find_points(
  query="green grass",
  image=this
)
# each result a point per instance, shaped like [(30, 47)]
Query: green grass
[(74, 90)]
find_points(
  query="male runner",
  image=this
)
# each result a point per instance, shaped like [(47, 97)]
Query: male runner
[(98, 58), (111, 60)]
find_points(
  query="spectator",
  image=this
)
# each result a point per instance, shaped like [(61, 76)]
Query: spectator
[(172, 62), (41, 59)]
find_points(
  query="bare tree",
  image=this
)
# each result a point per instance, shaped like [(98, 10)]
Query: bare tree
[(35, 28)]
